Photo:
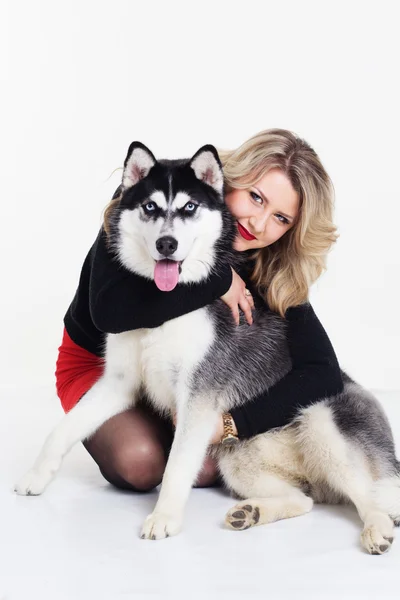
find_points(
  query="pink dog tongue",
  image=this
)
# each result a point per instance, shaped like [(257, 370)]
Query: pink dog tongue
[(166, 274)]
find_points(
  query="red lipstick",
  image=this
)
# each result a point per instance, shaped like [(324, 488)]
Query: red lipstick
[(244, 233)]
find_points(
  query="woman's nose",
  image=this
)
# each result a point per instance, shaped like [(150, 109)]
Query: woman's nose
[(258, 224)]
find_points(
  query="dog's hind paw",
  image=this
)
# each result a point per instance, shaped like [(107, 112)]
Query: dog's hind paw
[(242, 516), (158, 526), (377, 537), (396, 520)]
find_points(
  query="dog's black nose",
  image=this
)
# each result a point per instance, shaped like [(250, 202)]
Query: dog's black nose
[(166, 245)]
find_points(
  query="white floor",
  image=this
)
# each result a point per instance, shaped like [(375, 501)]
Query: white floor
[(80, 539)]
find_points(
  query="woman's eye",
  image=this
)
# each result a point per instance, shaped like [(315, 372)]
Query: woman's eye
[(149, 207), (256, 197), (190, 207), (283, 219)]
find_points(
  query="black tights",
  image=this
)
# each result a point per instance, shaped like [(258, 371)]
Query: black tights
[(132, 448)]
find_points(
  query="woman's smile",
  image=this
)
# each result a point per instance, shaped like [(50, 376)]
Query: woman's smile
[(244, 233)]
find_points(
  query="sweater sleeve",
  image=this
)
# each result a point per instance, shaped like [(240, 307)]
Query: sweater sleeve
[(120, 300), (315, 374)]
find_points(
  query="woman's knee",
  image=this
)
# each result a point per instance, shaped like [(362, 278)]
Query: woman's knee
[(130, 449), (139, 465)]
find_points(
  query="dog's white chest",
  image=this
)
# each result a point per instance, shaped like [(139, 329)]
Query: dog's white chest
[(170, 353)]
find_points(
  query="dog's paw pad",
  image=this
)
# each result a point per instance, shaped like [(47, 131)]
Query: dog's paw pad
[(239, 514), (389, 539), (374, 541), (242, 516), (396, 520)]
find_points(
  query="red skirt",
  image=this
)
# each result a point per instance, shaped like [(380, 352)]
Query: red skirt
[(77, 370)]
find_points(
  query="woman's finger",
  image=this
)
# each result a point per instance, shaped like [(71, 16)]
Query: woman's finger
[(235, 312), (246, 308), (249, 297)]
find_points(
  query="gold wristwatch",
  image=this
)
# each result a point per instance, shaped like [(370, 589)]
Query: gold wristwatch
[(228, 437)]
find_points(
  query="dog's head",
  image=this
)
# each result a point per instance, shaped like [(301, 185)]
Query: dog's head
[(171, 223)]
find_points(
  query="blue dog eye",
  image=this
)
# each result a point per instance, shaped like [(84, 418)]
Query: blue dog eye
[(190, 207), (149, 207)]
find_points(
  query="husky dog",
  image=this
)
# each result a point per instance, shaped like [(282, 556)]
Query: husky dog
[(171, 225)]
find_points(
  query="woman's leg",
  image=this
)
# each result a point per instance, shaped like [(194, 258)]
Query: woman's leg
[(132, 448)]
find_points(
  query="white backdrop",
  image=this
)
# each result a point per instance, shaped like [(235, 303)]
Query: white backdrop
[(81, 80)]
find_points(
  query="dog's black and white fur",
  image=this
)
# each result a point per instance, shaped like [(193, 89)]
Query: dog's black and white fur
[(339, 449)]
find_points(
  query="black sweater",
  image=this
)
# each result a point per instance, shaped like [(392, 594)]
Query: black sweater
[(111, 299)]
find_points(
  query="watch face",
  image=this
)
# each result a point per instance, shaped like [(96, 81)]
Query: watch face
[(230, 440)]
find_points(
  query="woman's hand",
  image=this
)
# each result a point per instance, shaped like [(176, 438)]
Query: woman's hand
[(238, 295), (218, 433)]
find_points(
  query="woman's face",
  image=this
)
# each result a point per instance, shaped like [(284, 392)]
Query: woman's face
[(264, 212)]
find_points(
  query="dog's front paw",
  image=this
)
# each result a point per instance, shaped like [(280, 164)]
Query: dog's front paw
[(34, 481), (158, 526)]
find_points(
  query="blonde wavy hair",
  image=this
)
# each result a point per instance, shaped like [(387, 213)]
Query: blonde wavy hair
[(285, 270)]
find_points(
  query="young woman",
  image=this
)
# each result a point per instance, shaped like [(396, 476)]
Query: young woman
[(282, 200)]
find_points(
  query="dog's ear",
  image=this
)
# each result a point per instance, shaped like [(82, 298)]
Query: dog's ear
[(137, 165), (208, 168)]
